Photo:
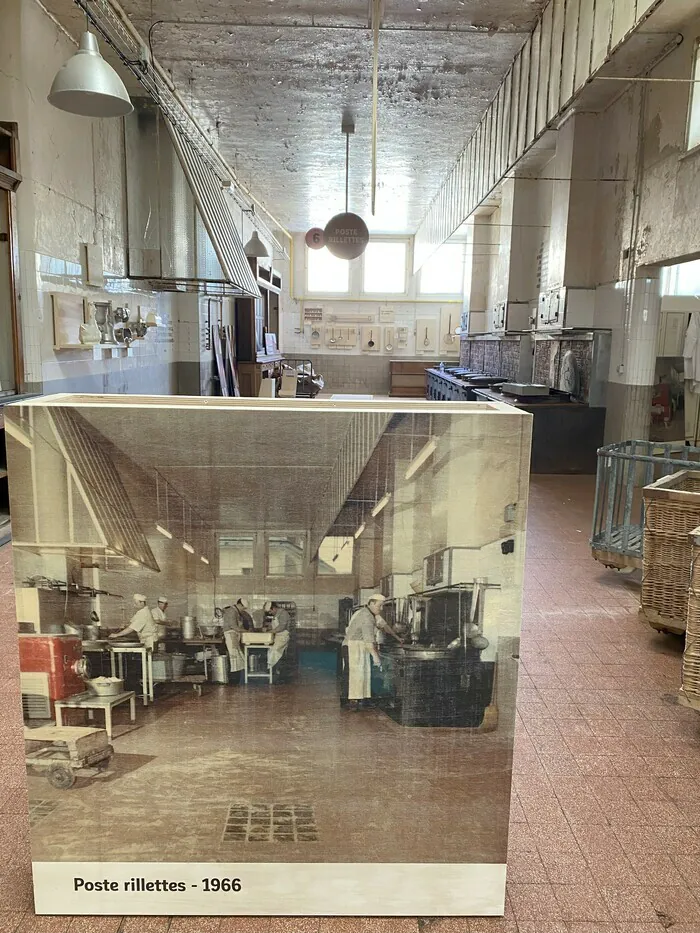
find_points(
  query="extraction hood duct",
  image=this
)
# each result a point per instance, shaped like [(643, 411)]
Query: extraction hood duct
[(180, 222)]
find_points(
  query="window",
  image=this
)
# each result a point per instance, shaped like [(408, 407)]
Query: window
[(236, 555), (285, 555), (335, 556), (443, 273), (694, 108), (326, 274), (683, 279), (385, 268)]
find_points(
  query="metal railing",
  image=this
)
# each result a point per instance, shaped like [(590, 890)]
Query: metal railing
[(617, 538)]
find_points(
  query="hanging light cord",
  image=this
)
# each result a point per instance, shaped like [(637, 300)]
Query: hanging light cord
[(347, 170)]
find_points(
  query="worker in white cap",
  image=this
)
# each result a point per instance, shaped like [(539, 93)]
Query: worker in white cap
[(159, 616), (235, 620), (141, 624), (361, 643)]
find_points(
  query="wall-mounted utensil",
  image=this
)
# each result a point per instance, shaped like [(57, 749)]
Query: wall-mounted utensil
[(370, 342), (449, 336), (426, 341)]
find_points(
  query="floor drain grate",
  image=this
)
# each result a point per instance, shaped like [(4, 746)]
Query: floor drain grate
[(270, 822), (38, 809)]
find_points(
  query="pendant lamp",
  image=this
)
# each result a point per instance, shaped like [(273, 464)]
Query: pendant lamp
[(255, 248), (87, 85)]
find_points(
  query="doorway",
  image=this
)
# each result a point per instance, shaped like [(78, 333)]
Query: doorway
[(10, 356)]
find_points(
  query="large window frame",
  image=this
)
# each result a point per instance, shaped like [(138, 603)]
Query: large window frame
[(388, 241), (316, 254), (692, 131), (442, 295), (304, 553)]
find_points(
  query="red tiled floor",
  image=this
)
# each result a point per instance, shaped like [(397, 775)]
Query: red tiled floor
[(604, 837)]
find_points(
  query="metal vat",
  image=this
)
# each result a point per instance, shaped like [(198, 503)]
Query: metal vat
[(219, 669), (189, 627)]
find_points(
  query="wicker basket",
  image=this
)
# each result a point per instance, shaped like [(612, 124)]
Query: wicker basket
[(690, 685), (671, 513)]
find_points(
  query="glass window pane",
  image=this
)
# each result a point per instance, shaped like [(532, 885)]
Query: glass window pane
[(326, 273), (236, 555), (385, 268), (683, 279), (694, 115), (285, 555), (443, 273), (335, 556)]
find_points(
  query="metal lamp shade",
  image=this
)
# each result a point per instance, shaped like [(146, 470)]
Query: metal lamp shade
[(88, 86), (255, 248)]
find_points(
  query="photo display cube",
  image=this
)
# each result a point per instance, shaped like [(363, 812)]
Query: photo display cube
[(360, 764)]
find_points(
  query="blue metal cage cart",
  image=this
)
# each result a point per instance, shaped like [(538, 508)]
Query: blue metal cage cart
[(617, 539)]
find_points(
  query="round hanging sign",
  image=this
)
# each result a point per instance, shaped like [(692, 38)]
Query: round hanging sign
[(315, 238), (347, 236)]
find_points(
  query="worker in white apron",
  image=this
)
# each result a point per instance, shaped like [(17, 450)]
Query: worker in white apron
[(233, 628), (360, 640), (280, 626), (141, 624)]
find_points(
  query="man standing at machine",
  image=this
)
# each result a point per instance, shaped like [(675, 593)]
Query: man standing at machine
[(361, 643), (142, 624)]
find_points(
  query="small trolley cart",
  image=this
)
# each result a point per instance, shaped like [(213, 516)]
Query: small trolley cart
[(64, 751), (618, 514)]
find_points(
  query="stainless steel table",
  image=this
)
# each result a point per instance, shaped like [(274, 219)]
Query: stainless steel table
[(117, 653), (91, 702)]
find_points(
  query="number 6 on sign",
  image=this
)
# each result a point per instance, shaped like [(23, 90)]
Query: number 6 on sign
[(316, 238)]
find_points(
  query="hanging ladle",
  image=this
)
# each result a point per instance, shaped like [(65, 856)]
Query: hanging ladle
[(370, 342), (449, 336), (426, 342)]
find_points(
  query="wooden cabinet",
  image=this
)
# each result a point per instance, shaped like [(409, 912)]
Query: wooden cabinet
[(407, 377), (256, 319)]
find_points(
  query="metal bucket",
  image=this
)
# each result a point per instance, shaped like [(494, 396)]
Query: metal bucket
[(189, 627), (219, 668)]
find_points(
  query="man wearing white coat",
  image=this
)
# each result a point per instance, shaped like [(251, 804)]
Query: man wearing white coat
[(141, 624), (360, 640)]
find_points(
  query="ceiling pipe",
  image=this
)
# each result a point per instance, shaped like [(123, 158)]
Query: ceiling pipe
[(458, 30), (376, 17)]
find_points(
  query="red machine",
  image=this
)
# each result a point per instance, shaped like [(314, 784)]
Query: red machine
[(59, 658)]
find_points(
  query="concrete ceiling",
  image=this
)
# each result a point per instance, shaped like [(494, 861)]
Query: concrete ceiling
[(276, 75)]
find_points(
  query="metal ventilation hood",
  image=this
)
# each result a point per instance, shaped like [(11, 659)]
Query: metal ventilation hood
[(180, 221)]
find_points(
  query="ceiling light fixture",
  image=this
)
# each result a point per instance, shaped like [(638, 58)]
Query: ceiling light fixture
[(383, 502), (423, 454), (88, 86), (188, 547), (204, 560), (360, 530), (255, 248), (163, 531)]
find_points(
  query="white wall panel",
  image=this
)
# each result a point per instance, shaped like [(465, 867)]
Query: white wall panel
[(623, 19), (555, 68), (545, 63), (602, 27), (534, 84), (511, 92), (585, 41), (515, 104), (568, 67), (525, 56)]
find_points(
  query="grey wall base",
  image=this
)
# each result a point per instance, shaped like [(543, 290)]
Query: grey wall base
[(353, 375)]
